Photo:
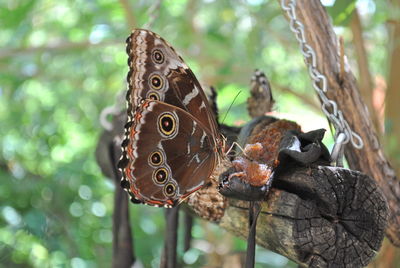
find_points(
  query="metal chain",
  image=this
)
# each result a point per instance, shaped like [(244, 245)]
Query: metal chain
[(343, 132)]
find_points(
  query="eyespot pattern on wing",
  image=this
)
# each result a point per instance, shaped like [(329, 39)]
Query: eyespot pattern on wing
[(168, 124), (157, 56), (170, 146), (170, 189), (160, 176), (156, 158)]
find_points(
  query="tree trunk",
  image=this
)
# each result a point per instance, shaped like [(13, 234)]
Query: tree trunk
[(392, 115), (365, 81), (318, 217), (370, 159)]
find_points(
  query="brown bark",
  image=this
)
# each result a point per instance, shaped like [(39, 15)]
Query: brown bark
[(311, 102), (316, 218), (370, 159), (130, 18), (392, 114), (365, 81), (390, 256)]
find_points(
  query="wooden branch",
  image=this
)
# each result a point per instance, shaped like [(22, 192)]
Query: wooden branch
[(318, 217), (370, 159), (128, 10), (59, 47), (302, 97), (366, 84), (392, 116)]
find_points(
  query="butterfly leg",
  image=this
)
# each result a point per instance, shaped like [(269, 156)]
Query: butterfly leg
[(168, 259)]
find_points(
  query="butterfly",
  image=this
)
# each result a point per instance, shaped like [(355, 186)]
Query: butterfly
[(172, 143)]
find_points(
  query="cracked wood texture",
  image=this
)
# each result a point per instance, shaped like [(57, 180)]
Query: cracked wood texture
[(318, 217), (344, 91)]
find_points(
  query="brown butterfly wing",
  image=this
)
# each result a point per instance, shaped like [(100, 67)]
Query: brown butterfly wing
[(167, 154), (158, 72)]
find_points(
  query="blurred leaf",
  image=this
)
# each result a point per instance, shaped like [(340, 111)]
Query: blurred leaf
[(341, 11), (20, 10)]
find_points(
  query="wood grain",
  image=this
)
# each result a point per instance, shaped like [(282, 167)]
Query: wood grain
[(371, 158)]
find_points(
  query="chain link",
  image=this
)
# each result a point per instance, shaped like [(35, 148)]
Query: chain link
[(343, 132)]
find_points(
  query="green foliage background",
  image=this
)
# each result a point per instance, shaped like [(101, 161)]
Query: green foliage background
[(62, 62)]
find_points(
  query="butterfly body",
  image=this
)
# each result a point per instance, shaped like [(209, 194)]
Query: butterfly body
[(172, 143)]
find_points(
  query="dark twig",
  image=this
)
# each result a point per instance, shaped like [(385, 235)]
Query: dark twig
[(168, 260), (254, 211), (122, 233), (107, 154), (188, 231), (130, 18)]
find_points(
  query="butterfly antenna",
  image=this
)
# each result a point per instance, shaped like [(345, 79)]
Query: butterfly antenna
[(230, 106)]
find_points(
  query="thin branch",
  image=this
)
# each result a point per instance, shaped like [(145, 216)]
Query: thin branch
[(342, 56), (59, 47), (306, 99), (153, 13), (365, 80), (130, 19), (392, 115)]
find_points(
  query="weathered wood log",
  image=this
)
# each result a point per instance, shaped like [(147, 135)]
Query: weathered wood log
[(318, 217), (344, 91), (314, 216)]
